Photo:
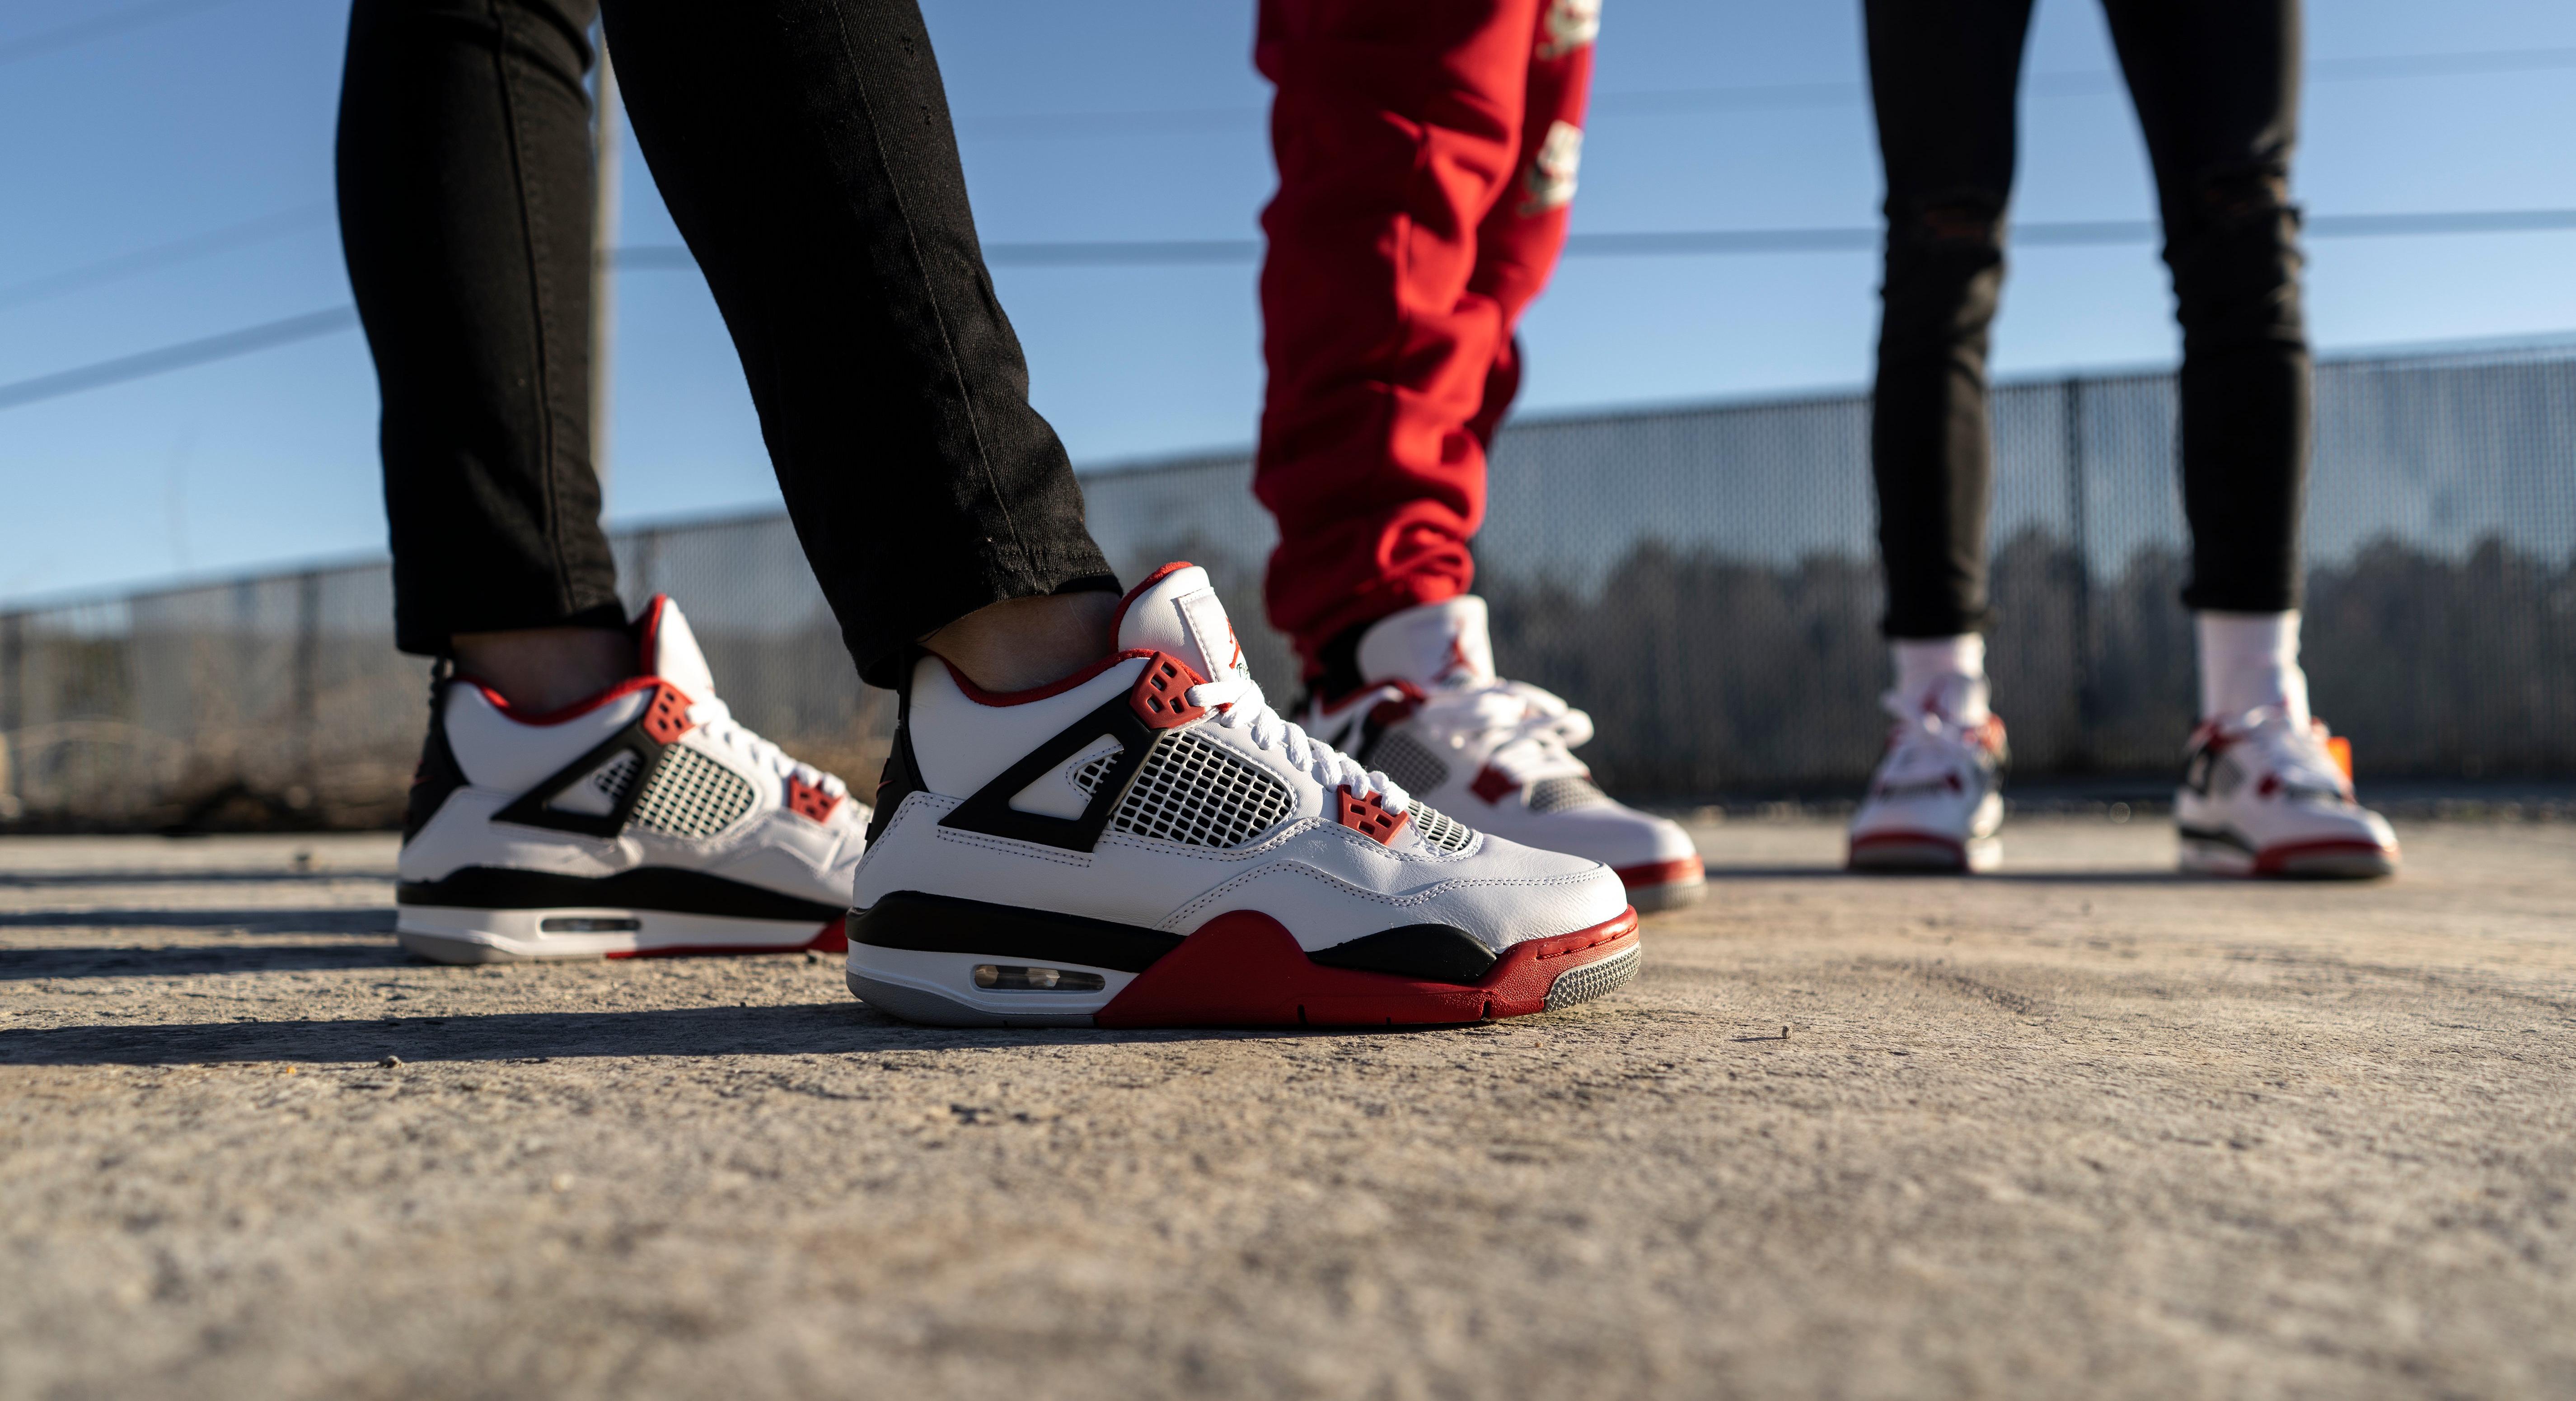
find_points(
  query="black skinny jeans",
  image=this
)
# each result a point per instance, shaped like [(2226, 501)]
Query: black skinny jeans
[(805, 151), (2216, 88)]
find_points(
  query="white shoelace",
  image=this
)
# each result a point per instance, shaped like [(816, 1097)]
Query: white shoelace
[(2297, 753), (1926, 743), (1239, 705), (1525, 730), (716, 718)]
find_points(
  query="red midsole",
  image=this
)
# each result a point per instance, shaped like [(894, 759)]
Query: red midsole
[(1686, 871), (1245, 969)]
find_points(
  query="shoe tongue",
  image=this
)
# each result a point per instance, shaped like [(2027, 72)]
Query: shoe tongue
[(1177, 611), (666, 648), (1430, 645)]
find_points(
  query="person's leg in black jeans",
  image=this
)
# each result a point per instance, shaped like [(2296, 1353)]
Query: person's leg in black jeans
[(1943, 75), (804, 148), (465, 204), (1942, 80), (2216, 84)]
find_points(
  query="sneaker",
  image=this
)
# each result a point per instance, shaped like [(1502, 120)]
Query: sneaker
[(1148, 843), (2263, 795), (644, 820), (1936, 801), (1498, 754)]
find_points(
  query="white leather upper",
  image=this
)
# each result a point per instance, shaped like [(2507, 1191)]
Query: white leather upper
[(1325, 882), (2308, 800), (503, 757)]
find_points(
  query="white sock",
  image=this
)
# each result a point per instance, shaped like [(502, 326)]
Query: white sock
[(1950, 670), (2249, 660)]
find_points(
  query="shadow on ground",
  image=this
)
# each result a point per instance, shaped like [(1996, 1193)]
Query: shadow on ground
[(140, 961), (821, 1028), (354, 920)]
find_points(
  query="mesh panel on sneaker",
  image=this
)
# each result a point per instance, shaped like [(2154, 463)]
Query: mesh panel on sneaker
[(691, 795), (1440, 831), (1408, 762), (617, 775), (1197, 793), (1558, 794), (1087, 778)]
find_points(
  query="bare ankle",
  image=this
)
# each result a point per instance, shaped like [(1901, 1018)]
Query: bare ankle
[(543, 669), (1022, 643)]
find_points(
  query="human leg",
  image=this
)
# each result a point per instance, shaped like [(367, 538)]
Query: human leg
[(1135, 842), (1943, 75), (464, 186), (1398, 129), (2267, 790)]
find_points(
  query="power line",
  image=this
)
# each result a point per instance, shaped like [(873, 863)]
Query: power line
[(99, 27), (179, 357), (1689, 242), (1750, 97), (161, 255), (1206, 252)]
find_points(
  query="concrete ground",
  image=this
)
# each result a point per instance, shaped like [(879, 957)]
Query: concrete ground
[(2080, 1129)]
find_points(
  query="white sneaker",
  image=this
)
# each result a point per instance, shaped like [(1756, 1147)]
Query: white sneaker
[(1148, 843), (1936, 801), (1497, 754), (643, 820), (2264, 796)]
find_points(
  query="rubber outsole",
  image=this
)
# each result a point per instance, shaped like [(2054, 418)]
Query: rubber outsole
[(2326, 860), (1923, 853), (1245, 970), (1664, 885), (515, 936)]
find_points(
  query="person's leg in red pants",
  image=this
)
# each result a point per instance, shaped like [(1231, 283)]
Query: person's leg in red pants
[(1426, 158), (1427, 155)]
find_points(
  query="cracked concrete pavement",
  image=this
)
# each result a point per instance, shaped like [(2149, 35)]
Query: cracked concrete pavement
[(2081, 1128)]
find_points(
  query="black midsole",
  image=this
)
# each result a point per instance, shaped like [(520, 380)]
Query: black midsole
[(910, 919), (2220, 835), (1437, 953), (663, 888), (925, 923)]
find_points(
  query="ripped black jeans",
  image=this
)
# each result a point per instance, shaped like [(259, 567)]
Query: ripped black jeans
[(2216, 88)]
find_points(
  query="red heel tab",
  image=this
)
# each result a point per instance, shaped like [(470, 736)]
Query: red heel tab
[(981, 696), (1129, 598)]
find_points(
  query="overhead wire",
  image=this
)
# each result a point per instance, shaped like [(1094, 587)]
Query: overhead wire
[(1202, 252)]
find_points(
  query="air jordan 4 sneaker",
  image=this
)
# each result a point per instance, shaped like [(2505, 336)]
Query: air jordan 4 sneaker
[(1149, 843), (1936, 802), (2265, 795), (644, 820), (1496, 754)]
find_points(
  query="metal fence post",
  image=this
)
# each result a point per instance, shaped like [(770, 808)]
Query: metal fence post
[(2080, 606), (308, 665), (13, 685)]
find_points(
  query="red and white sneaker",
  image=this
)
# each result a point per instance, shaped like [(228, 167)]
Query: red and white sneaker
[(1495, 753), (644, 820), (1148, 843), (2263, 795), (1936, 801)]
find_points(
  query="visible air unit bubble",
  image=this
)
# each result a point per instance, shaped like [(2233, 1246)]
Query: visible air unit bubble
[(1010, 977), (589, 924)]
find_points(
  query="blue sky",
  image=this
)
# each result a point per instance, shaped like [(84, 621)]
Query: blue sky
[(223, 114)]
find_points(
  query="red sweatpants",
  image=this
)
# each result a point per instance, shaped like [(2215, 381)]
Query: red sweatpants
[(1426, 153)]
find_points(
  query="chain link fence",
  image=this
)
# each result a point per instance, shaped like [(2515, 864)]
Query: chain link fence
[(1700, 579)]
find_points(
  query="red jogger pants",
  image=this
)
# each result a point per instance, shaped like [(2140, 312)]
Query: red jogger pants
[(1426, 153)]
